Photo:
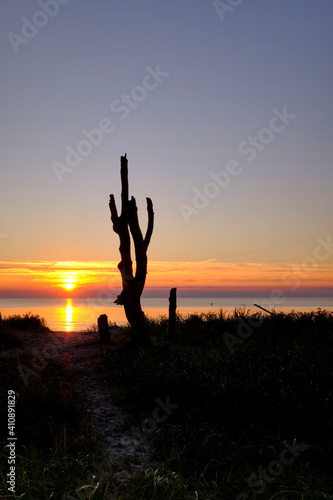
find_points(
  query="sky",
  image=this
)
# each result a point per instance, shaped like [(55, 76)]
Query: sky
[(225, 112)]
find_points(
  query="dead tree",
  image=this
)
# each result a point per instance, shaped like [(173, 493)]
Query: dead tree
[(125, 224)]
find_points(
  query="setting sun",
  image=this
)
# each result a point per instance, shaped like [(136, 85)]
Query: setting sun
[(69, 286)]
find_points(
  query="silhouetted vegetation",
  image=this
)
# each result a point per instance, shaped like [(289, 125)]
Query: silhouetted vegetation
[(15, 324), (57, 453), (233, 408), (27, 322)]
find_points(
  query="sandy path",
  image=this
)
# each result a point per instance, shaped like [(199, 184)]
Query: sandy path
[(79, 352)]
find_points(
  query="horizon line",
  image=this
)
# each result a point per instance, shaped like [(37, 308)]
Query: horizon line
[(163, 292)]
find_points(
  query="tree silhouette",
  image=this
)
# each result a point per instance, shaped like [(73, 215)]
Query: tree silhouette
[(125, 224)]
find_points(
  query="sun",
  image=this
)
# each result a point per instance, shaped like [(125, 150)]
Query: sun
[(68, 286), (68, 281)]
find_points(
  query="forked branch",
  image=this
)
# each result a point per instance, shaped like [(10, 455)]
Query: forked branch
[(124, 225)]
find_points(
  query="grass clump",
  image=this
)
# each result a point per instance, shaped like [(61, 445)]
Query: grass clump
[(27, 322), (13, 328)]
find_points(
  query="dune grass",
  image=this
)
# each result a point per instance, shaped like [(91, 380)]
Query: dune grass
[(57, 451), (16, 324), (58, 454), (238, 403), (215, 407), (25, 322)]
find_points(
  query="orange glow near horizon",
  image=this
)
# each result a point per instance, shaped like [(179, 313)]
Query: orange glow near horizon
[(90, 277)]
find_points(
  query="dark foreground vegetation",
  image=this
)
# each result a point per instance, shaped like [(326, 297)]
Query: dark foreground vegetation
[(235, 407), (10, 326)]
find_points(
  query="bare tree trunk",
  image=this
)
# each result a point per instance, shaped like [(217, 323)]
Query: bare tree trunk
[(133, 286), (172, 312)]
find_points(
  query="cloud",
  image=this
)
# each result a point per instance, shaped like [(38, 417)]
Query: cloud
[(208, 274)]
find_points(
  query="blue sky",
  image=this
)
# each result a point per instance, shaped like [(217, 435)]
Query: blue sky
[(222, 80)]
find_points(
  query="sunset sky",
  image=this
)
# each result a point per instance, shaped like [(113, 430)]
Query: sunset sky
[(226, 119)]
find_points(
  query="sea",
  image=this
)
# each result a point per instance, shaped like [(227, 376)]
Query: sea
[(74, 314)]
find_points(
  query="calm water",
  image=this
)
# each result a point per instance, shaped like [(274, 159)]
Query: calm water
[(79, 314)]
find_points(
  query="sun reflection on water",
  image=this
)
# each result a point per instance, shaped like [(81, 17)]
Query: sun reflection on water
[(69, 316)]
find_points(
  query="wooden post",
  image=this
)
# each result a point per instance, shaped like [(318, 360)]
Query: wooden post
[(172, 312), (103, 328)]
